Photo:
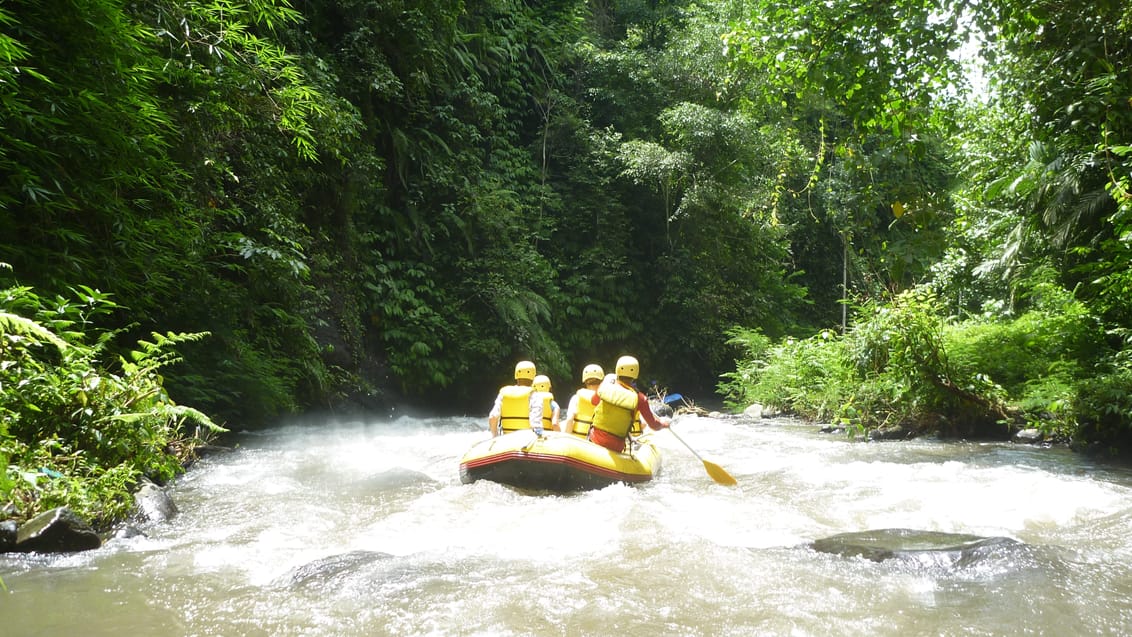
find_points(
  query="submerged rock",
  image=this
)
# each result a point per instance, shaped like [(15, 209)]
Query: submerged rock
[(330, 568), (911, 544)]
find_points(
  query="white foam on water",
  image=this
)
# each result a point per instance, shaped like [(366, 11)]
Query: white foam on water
[(680, 555)]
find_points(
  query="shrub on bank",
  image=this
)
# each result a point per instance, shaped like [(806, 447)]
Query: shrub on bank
[(808, 377), (905, 363), (76, 429)]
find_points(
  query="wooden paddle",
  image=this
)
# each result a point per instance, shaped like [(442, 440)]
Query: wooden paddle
[(715, 471)]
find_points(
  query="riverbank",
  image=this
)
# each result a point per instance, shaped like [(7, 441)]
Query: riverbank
[(907, 368)]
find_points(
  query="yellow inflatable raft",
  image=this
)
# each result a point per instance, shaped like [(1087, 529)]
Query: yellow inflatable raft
[(557, 461)]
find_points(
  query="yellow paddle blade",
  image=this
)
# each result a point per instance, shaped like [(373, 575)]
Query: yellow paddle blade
[(719, 475), (715, 471)]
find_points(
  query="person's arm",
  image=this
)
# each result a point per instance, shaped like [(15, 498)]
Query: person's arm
[(647, 415), (610, 380), (557, 411), (571, 413), (493, 415), (536, 413)]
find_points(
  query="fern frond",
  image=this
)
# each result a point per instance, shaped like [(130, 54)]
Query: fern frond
[(16, 324), (178, 413), (196, 416)]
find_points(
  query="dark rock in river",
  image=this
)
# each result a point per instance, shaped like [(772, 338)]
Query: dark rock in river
[(7, 535), (897, 431), (56, 531), (152, 505), (933, 547), (1029, 436), (324, 570)]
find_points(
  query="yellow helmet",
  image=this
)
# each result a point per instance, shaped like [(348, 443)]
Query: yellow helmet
[(628, 366), (542, 383), (524, 369), (592, 372)]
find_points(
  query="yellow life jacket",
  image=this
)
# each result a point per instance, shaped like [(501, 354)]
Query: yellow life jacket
[(584, 414), (515, 408), (617, 410), (636, 429), (547, 408)]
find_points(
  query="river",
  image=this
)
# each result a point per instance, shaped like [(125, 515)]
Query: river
[(363, 528)]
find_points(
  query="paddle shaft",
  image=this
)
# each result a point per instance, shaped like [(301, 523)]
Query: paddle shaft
[(684, 443), (715, 471)]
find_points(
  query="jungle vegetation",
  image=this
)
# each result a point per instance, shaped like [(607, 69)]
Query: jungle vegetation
[(219, 212)]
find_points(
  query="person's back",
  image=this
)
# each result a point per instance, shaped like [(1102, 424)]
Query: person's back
[(618, 406), (580, 411), (545, 398), (513, 407), (614, 413)]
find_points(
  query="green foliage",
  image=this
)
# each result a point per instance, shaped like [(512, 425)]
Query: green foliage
[(696, 164), (235, 40), (883, 65), (906, 364), (1103, 404), (76, 430), (809, 377), (155, 150), (754, 348), (1058, 337), (1066, 198), (413, 332), (870, 177), (360, 193)]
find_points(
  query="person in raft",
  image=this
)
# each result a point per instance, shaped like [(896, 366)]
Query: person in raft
[(617, 405), (514, 407), (580, 411), (550, 409)]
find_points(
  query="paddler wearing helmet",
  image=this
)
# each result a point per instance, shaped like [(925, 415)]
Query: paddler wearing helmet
[(580, 411), (514, 407), (617, 404), (549, 407)]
